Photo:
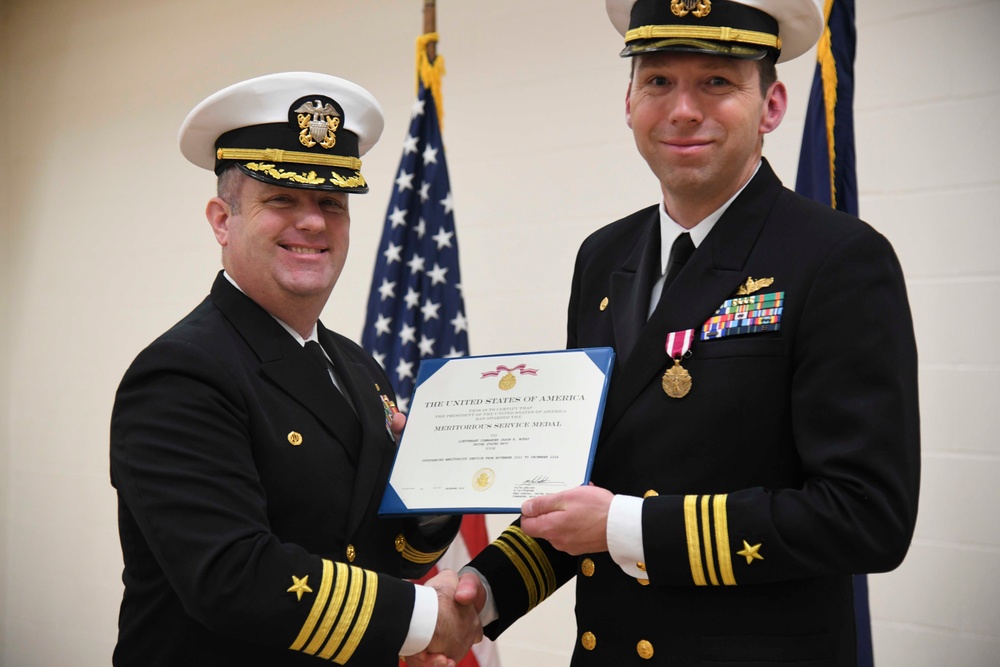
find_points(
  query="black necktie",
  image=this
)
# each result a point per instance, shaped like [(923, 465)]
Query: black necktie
[(349, 428), (680, 253)]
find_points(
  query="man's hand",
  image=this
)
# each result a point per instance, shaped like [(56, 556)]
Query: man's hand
[(458, 626), (574, 521)]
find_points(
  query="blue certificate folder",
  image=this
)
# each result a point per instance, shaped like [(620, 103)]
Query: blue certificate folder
[(485, 433)]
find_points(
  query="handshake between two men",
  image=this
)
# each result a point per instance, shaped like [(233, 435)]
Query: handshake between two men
[(574, 521), (460, 599)]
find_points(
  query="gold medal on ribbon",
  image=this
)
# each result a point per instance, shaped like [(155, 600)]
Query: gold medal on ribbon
[(677, 381)]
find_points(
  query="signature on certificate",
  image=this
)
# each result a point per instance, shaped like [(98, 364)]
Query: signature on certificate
[(543, 480)]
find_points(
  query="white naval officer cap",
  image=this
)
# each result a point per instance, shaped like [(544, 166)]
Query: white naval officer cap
[(747, 29), (293, 129)]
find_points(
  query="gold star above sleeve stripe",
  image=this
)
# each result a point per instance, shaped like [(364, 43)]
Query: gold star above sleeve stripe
[(300, 586), (750, 552)]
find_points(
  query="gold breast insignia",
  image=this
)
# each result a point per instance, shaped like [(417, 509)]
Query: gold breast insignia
[(751, 285)]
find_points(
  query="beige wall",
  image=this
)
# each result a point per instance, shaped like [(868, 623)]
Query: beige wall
[(105, 245)]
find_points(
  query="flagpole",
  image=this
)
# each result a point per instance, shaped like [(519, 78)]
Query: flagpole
[(430, 25)]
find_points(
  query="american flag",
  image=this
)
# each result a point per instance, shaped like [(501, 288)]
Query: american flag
[(416, 310)]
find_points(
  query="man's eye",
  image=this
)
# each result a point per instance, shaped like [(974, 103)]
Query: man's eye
[(658, 81), (718, 81)]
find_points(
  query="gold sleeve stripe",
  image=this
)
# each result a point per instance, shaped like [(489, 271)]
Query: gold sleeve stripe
[(706, 530), (721, 34), (364, 618), (347, 614), (530, 561), (421, 557), (317, 608), (515, 559), (336, 602), (543, 561), (707, 533), (694, 544), (722, 541)]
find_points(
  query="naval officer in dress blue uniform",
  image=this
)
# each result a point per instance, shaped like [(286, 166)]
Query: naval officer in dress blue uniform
[(760, 443), (250, 445)]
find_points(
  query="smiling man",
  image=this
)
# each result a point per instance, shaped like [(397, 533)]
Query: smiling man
[(250, 445), (760, 442)]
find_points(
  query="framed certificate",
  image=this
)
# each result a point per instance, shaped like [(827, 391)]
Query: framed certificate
[(484, 434)]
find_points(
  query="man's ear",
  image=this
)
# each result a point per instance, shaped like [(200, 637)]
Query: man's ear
[(628, 105), (775, 105), (218, 213)]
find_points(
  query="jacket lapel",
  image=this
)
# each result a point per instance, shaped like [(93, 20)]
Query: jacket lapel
[(712, 275), (631, 286), (282, 359), (376, 446)]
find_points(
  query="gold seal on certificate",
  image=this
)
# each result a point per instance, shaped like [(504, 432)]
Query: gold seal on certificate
[(484, 479), (484, 434)]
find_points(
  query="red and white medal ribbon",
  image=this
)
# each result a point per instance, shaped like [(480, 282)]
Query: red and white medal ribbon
[(679, 342)]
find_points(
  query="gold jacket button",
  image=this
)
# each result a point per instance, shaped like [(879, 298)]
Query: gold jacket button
[(644, 649), (400, 543), (351, 553), (588, 640), (641, 566), (587, 567), (650, 494), (604, 304), (294, 439), (643, 582)]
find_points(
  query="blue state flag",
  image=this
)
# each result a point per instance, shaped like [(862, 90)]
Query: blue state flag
[(827, 171)]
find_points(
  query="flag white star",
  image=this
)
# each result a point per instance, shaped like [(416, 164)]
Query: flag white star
[(437, 274), (380, 358), (420, 229), (460, 323), (454, 354), (404, 369), (443, 238), (382, 325), (417, 109), (408, 334), (405, 181), (430, 155), (398, 217), (392, 253), (416, 264), (387, 289), (426, 346), (410, 145), (430, 310), (402, 404), (425, 191), (412, 298), (447, 203)]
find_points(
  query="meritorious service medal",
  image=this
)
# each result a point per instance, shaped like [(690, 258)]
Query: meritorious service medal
[(677, 381)]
